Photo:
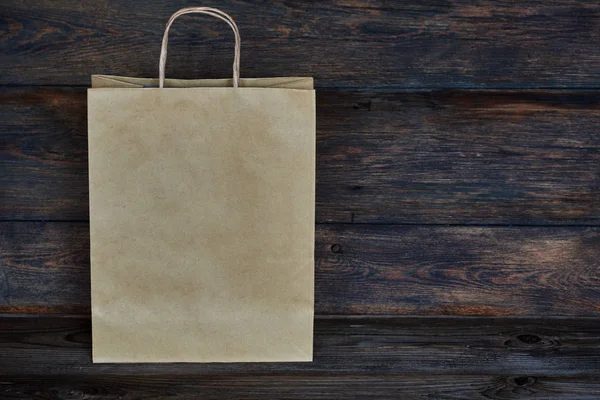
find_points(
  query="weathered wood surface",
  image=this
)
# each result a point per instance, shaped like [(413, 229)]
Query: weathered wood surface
[(401, 140), (360, 269), (515, 347), (43, 153), (522, 44), (299, 386), (446, 157)]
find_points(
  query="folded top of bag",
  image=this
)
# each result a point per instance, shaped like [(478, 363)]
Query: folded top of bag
[(110, 81)]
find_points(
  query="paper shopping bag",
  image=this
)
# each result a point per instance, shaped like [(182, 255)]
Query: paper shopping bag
[(202, 216)]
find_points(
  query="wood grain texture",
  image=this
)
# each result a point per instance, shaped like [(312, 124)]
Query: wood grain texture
[(360, 269), (298, 386), (375, 269), (46, 262), (43, 153), (459, 157), (443, 157), (526, 44), (60, 346), (401, 140)]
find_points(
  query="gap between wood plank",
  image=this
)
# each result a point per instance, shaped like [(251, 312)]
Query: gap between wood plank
[(381, 88), (536, 347), (391, 224)]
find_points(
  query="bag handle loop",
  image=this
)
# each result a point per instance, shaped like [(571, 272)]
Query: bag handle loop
[(208, 11)]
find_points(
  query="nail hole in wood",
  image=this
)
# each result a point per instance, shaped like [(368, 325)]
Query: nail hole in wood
[(529, 339), (336, 248), (522, 381), (363, 105)]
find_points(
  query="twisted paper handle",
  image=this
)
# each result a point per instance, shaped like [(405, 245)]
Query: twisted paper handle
[(208, 11)]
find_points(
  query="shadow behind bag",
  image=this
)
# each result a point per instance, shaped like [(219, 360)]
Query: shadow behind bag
[(202, 216)]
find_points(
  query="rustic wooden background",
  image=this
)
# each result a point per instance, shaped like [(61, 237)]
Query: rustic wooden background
[(458, 184)]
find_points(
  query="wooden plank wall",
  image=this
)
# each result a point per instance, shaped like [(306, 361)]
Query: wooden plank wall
[(458, 193)]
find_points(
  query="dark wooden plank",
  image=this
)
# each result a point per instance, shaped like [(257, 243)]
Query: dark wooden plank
[(457, 157), (403, 270), (59, 346), (44, 267), (360, 269), (299, 386), (342, 43), (43, 154)]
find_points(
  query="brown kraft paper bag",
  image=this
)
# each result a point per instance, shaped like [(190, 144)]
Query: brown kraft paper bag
[(202, 216)]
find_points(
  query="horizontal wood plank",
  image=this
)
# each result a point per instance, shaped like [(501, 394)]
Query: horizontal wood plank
[(59, 346), (474, 271), (299, 386), (416, 146), (360, 269), (458, 157), (451, 157), (43, 153), (527, 44)]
